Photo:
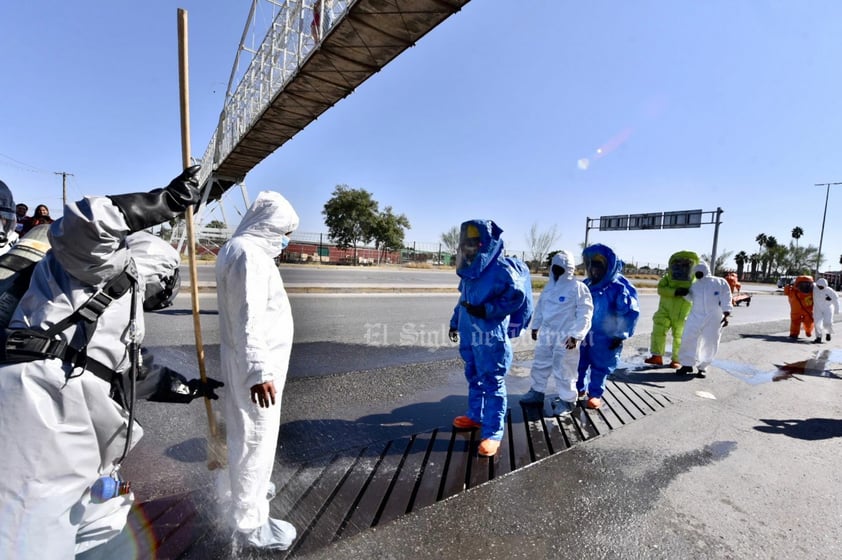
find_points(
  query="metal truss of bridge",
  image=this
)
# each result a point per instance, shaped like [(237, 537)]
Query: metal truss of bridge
[(315, 53)]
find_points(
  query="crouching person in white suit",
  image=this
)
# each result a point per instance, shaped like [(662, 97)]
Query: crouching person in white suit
[(71, 370)]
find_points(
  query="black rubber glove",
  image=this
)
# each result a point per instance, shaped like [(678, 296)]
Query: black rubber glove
[(207, 389), (453, 335), (534, 334), (615, 343), (174, 388), (679, 292), (143, 210), (724, 321), (475, 310)]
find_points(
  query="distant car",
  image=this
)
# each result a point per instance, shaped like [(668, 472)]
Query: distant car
[(785, 281)]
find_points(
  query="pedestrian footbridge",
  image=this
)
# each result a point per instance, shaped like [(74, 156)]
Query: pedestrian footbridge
[(315, 53)]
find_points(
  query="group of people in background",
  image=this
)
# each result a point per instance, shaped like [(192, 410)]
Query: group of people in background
[(579, 328), (41, 215), (811, 306), (694, 306)]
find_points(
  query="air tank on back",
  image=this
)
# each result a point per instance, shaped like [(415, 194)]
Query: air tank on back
[(16, 268)]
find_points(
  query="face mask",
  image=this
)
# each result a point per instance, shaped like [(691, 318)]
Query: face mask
[(680, 269), (284, 242)]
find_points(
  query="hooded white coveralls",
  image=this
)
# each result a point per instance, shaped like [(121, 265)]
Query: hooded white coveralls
[(711, 297), (564, 309), (59, 433), (255, 343), (825, 304)]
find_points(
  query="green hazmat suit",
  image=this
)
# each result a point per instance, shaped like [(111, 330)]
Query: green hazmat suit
[(672, 309)]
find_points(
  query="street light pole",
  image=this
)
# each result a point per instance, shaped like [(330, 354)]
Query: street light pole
[(824, 216)]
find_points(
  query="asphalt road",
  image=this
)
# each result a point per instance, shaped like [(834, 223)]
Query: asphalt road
[(298, 275), (338, 333), (315, 275), (353, 355), (738, 468)]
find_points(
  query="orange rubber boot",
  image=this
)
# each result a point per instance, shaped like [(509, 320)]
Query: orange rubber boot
[(654, 360), (488, 447), (465, 423), (594, 403)]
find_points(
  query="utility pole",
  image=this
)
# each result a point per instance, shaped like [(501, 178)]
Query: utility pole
[(824, 216), (64, 175)]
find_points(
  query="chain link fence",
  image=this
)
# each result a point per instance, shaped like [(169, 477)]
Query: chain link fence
[(306, 247)]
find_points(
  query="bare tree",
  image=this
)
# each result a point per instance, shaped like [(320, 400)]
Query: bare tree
[(540, 243), (450, 238), (718, 268)]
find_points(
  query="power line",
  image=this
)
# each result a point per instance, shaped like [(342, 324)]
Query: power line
[(23, 166)]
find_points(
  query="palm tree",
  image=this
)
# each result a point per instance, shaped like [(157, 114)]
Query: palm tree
[(761, 241), (771, 244), (754, 259), (740, 258), (797, 232)]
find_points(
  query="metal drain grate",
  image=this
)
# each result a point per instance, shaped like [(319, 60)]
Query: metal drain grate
[(335, 497)]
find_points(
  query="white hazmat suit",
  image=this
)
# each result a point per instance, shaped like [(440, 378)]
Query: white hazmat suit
[(65, 372), (256, 333), (60, 428), (825, 304), (563, 315), (711, 298)]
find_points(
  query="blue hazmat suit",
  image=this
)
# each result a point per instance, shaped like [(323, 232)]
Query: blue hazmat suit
[(486, 280), (616, 310)]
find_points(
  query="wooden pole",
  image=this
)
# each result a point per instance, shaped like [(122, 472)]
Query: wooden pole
[(184, 96)]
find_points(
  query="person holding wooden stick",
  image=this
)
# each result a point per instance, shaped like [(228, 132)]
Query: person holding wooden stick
[(70, 372)]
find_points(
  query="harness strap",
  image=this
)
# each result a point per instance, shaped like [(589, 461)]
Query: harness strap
[(90, 311), (24, 345), (28, 345)]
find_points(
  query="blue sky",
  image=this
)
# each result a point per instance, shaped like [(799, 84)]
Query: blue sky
[(674, 105)]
